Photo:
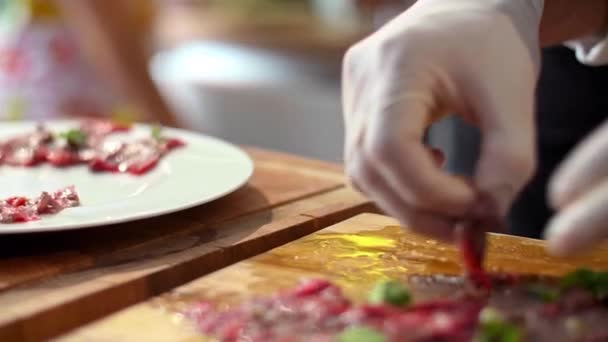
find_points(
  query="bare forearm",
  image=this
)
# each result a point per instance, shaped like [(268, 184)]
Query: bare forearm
[(115, 47), (567, 19)]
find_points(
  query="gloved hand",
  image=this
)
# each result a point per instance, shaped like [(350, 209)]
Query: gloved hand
[(579, 190), (477, 58)]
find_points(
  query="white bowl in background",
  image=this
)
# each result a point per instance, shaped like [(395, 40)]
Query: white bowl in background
[(254, 97)]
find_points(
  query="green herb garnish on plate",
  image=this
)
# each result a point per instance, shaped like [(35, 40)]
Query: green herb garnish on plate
[(156, 132), (74, 137)]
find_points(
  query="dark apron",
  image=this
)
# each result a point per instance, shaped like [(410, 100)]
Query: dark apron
[(572, 100)]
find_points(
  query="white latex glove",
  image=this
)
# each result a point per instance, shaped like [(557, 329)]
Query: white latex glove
[(477, 58), (579, 190)]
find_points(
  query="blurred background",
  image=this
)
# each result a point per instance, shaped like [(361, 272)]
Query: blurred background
[(254, 72), (263, 72)]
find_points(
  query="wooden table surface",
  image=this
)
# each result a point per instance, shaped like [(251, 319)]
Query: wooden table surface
[(355, 254), (50, 283)]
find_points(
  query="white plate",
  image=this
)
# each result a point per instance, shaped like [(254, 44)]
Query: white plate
[(202, 171)]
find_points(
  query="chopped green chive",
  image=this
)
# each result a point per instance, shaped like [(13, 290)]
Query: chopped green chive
[(543, 293), (156, 132), (390, 292), (493, 328), (74, 137), (594, 282)]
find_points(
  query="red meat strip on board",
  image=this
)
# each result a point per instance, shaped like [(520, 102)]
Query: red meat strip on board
[(317, 311), (471, 236)]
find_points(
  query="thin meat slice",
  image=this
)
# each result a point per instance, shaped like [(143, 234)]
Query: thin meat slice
[(67, 197), (472, 248), (137, 157), (63, 156), (444, 311), (102, 127), (471, 235), (317, 310), (27, 149), (88, 145), (97, 130), (23, 209)]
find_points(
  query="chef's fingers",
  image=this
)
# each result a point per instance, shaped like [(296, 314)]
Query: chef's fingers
[(580, 225), (508, 150), (367, 180), (586, 166), (393, 145), (436, 153)]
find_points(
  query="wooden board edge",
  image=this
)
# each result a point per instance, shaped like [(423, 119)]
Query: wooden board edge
[(51, 321)]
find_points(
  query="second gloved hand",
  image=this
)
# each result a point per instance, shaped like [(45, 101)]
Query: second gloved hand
[(579, 192)]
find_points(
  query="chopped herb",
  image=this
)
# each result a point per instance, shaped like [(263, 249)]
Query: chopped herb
[(74, 137), (390, 292), (543, 293), (156, 132), (594, 282), (360, 334), (493, 328), (579, 278), (601, 285)]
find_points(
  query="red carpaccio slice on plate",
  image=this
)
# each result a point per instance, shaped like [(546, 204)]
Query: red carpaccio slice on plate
[(134, 157), (26, 149), (23, 209), (103, 127), (443, 310), (97, 130)]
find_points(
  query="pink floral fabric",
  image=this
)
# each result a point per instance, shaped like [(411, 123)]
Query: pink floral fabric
[(43, 75)]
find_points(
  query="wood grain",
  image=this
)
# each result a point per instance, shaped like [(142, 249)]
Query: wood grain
[(55, 282), (277, 179), (354, 253)]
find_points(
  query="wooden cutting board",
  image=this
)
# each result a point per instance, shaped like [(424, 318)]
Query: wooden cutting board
[(54, 282), (354, 253)]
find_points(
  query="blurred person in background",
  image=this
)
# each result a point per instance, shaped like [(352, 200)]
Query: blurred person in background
[(76, 58)]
